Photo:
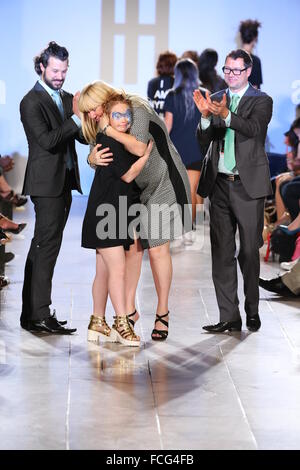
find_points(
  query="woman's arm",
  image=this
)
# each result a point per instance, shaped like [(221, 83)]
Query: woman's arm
[(137, 167), (169, 120), (131, 144)]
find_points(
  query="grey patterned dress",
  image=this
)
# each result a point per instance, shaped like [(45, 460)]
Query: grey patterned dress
[(163, 182)]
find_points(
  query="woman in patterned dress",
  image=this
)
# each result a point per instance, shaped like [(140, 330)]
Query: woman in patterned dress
[(164, 192)]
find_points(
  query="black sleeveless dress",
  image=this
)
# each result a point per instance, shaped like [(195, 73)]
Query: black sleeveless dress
[(106, 220)]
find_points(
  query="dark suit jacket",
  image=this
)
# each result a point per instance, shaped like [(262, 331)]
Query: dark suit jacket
[(49, 137), (250, 124)]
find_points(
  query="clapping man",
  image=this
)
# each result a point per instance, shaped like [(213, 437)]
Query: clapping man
[(235, 175)]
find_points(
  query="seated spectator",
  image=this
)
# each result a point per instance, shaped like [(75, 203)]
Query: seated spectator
[(8, 225), (159, 86), (293, 163), (288, 284), (207, 72), (6, 192)]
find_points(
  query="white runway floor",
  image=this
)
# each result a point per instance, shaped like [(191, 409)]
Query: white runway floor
[(194, 391)]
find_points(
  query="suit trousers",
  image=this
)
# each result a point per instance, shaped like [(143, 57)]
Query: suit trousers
[(51, 214), (231, 208)]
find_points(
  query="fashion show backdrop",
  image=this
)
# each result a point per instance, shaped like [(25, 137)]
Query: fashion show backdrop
[(119, 41)]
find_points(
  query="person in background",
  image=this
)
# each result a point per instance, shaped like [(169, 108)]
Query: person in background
[(182, 118), (288, 284), (210, 80), (159, 86), (249, 37), (193, 55)]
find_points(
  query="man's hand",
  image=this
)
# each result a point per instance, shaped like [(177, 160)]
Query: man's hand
[(75, 104), (219, 108), (7, 163), (100, 157), (202, 103)]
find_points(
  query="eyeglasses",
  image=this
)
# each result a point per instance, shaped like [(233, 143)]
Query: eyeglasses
[(117, 116), (227, 70)]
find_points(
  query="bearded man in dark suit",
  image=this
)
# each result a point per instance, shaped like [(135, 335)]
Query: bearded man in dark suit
[(235, 175), (51, 122)]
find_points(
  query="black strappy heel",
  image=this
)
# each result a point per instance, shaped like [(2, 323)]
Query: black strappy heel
[(163, 334), (131, 321)]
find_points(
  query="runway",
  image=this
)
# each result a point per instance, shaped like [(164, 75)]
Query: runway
[(194, 391)]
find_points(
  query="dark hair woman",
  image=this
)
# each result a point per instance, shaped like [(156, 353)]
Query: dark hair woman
[(249, 36), (207, 62), (182, 118)]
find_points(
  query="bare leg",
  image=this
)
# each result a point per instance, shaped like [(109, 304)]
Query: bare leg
[(280, 207), (134, 258), (100, 287), (5, 189), (114, 261), (194, 177), (161, 265)]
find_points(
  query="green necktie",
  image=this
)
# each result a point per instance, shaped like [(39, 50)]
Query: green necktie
[(229, 154)]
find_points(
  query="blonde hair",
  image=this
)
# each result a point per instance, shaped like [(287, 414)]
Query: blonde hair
[(97, 94)]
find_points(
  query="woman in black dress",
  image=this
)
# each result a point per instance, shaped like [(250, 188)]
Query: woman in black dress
[(104, 231)]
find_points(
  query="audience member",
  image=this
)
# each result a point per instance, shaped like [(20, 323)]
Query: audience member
[(293, 163), (286, 285)]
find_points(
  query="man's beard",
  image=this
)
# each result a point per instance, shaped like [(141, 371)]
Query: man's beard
[(51, 85)]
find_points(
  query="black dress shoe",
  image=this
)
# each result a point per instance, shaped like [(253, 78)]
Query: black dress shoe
[(62, 322), (253, 323), (49, 325), (224, 326), (275, 285), (9, 256)]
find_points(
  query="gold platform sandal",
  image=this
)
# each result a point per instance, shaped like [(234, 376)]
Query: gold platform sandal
[(99, 331), (122, 332)]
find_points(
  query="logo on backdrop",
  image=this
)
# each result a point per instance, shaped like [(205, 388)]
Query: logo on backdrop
[(131, 30)]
